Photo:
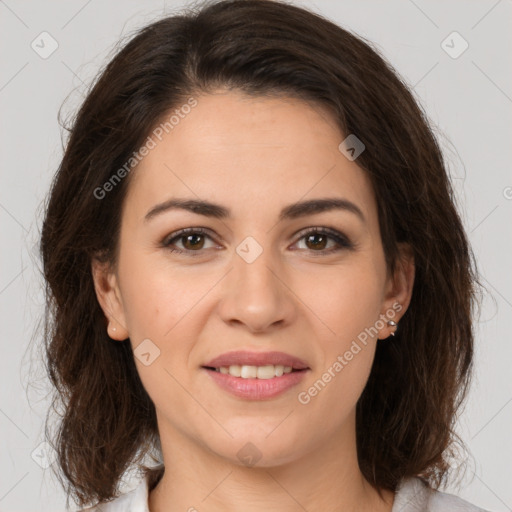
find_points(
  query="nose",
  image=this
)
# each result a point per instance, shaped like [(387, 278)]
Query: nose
[(256, 294)]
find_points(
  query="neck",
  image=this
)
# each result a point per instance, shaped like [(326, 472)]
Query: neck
[(327, 478)]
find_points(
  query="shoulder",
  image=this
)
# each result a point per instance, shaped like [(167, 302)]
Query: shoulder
[(135, 500), (414, 495)]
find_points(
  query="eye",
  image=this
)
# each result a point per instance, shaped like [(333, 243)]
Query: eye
[(316, 240), (191, 238)]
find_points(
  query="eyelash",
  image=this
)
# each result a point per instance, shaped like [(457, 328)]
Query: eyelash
[(342, 241)]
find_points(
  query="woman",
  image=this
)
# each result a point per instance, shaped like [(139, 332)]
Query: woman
[(257, 270)]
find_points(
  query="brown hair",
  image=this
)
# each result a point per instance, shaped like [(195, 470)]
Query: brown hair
[(419, 379)]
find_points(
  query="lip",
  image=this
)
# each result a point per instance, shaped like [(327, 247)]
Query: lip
[(244, 357), (256, 389)]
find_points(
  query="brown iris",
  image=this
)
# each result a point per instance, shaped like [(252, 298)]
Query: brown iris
[(317, 245), (193, 239)]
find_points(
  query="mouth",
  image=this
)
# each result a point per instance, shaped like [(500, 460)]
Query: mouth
[(254, 375)]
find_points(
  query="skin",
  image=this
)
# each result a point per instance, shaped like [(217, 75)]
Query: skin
[(254, 156)]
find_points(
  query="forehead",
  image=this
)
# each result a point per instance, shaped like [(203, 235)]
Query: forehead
[(250, 153)]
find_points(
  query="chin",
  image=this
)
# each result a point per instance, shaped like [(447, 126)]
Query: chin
[(255, 448)]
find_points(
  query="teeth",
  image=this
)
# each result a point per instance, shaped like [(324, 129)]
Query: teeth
[(268, 371)]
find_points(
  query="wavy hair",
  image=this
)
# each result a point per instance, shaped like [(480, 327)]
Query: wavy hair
[(406, 414)]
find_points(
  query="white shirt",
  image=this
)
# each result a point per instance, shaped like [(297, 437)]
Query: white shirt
[(412, 495)]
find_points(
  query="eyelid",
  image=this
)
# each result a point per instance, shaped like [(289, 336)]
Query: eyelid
[(335, 233)]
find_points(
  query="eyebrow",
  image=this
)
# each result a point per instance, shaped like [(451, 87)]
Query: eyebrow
[(290, 212)]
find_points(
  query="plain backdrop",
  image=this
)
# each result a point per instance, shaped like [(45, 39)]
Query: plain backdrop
[(467, 92)]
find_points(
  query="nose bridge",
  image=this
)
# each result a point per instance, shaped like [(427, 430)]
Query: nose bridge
[(255, 294), (252, 264)]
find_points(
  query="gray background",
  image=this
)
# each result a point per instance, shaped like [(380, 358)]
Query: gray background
[(468, 99)]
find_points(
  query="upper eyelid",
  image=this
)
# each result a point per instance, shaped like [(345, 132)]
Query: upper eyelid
[(185, 231)]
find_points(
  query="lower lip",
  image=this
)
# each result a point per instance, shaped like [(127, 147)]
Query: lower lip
[(256, 389)]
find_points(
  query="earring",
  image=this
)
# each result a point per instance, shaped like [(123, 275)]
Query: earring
[(392, 324)]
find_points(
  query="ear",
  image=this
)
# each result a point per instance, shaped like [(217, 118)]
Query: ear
[(109, 297), (398, 290)]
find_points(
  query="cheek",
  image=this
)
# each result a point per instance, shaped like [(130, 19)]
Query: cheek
[(349, 312), (345, 299), (160, 308), (156, 299), (166, 307)]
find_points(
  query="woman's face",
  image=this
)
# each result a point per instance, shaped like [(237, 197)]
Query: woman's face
[(256, 279)]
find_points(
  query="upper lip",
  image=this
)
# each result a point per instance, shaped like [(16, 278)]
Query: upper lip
[(244, 357)]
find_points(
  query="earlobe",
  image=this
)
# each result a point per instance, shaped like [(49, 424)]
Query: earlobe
[(109, 298)]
